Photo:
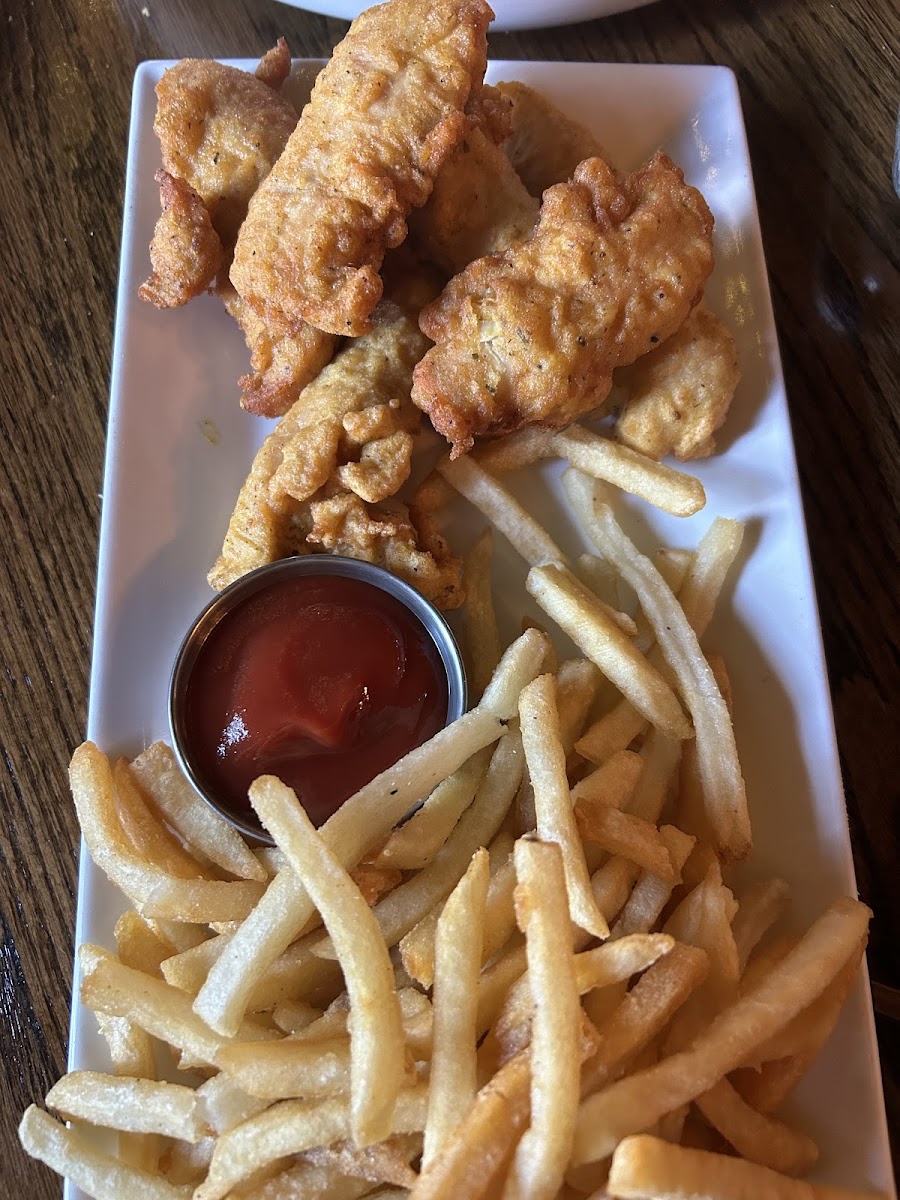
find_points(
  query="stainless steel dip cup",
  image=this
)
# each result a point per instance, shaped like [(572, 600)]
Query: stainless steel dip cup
[(255, 581)]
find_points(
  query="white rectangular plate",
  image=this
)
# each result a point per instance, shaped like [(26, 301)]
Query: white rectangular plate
[(179, 447)]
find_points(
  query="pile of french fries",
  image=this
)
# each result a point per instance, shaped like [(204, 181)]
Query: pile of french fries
[(536, 986)]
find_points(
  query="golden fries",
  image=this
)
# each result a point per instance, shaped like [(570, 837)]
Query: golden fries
[(540, 1160), (541, 740), (376, 1030), (457, 965)]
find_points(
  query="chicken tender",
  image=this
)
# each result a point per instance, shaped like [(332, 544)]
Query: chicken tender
[(385, 113), (532, 336), (221, 130), (283, 361), (186, 253), (478, 206), (299, 497), (680, 393), (545, 145)]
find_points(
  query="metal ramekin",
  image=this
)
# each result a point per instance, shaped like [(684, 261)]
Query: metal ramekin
[(312, 564)]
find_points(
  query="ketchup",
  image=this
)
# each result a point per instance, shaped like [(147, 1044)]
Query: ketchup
[(324, 681)]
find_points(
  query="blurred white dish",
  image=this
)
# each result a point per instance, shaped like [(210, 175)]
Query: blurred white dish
[(510, 14)]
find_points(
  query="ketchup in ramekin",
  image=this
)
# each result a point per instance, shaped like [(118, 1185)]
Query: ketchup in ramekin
[(321, 670)]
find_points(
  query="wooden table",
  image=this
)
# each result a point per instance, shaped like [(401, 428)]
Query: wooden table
[(819, 88)]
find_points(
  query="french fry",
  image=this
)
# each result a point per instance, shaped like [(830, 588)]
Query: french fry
[(651, 893), (577, 680), (612, 782), (579, 615), (163, 1011), (290, 1127), (158, 773), (612, 732), (293, 1016), (471, 1162), (711, 562), (660, 756), (673, 491), (544, 754), (761, 905), (153, 891), (636, 1103), (621, 833), (757, 1137), (515, 450), (647, 1168), (97, 1174), (502, 509), (130, 1047), (725, 801), (139, 945), (541, 1156), (611, 885), (457, 965), (480, 621), (642, 1014), (417, 946), (387, 1162), (415, 843), (613, 962), (376, 1028), (149, 836), (290, 1068), (133, 1105), (222, 1104)]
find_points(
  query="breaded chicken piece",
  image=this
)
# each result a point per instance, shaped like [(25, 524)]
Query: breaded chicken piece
[(221, 130), (532, 336), (349, 436), (545, 146), (186, 253), (283, 361), (275, 65), (478, 206), (680, 393), (384, 115)]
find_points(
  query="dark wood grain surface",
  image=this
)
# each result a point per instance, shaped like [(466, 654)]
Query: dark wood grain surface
[(819, 84)]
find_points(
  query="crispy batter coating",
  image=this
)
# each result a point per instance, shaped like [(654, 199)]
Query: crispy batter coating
[(186, 253), (531, 336), (295, 499), (283, 361), (545, 145), (680, 393), (478, 206), (384, 115), (221, 130)]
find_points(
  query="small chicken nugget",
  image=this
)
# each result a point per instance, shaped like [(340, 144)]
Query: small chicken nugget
[(186, 253), (680, 393)]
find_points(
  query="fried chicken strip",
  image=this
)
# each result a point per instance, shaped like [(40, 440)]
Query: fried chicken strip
[(348, 439), (478, 206), (384, 115), (186, 253), (221, 130), (679, 394), (545, 146), (283, 361), (532, 336)]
